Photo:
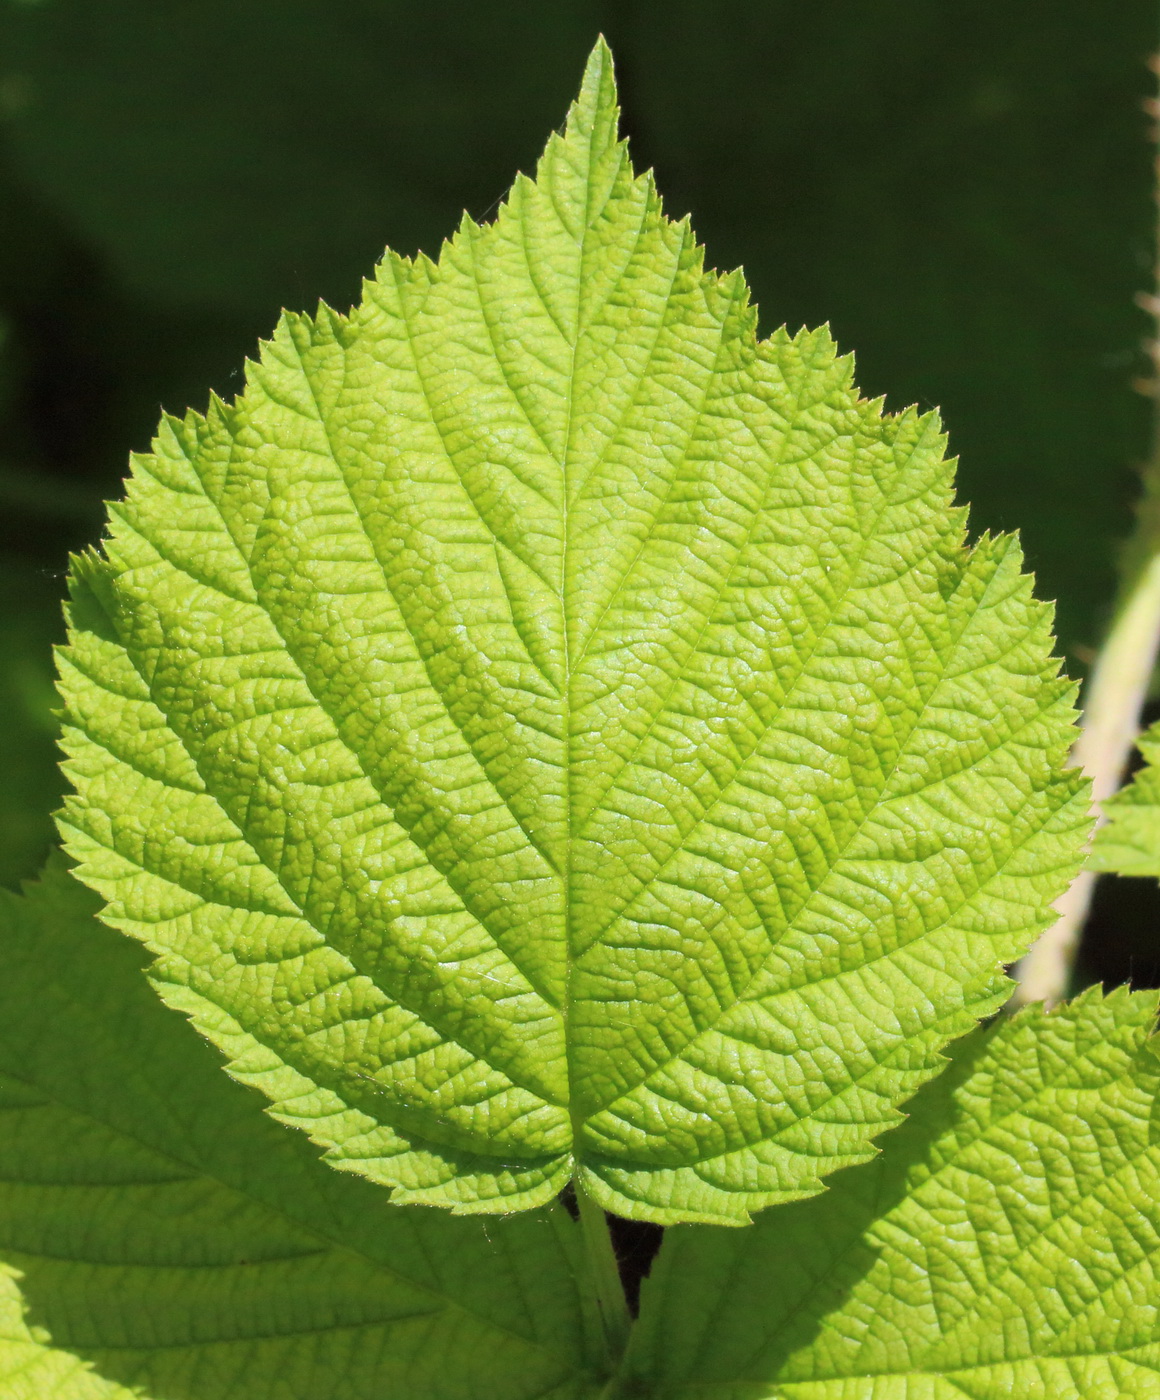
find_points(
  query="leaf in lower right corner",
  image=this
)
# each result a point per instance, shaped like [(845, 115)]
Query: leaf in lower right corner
[(1006, 1243), (1130, 843)]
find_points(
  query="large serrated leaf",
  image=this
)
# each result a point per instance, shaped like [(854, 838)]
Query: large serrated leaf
[(1005, 1244), (160, 1238), (544, 732)]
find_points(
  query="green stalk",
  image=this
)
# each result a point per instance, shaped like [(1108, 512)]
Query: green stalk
[(1111, 721), (601, 1278), (1116, 689)]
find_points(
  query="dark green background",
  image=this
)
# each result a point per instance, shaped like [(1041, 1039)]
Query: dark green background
[(962, 191)]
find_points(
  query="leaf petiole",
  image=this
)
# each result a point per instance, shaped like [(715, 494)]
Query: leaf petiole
[(601, 1276)]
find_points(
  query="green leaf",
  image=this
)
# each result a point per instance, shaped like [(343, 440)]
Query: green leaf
[(543, 732), (1130, 842), (160, 1237), (1005, 1243)]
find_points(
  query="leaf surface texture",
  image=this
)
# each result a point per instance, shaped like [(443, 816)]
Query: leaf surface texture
[(543, 731), (1005, 1243), (162, 1239)]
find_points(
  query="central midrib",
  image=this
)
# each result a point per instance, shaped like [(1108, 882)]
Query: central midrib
[(575, 1121)]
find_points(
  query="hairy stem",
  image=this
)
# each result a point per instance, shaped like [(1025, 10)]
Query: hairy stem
[(1118, 684), (1111, 721), (602, 1277)]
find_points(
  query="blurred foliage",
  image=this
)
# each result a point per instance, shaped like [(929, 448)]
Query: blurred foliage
[(31, 786), (962, 191)]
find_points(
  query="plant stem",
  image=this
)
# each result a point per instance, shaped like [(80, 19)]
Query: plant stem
[(603, 1276), (1111, 721), (1118, 684)]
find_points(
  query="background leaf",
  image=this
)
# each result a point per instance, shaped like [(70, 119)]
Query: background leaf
[(541, 730), (1004, 1243), (160, 1237), (30, 780), (1130, 842)]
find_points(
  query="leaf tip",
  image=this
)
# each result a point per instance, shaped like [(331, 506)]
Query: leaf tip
[(595, 114)]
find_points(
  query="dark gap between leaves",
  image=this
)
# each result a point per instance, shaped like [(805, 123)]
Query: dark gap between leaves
[(636, 1243)]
